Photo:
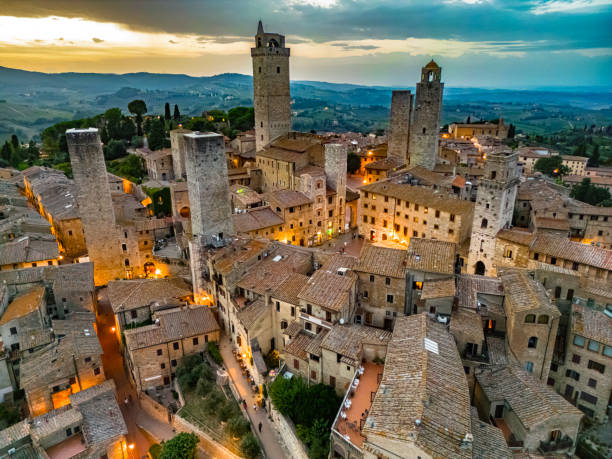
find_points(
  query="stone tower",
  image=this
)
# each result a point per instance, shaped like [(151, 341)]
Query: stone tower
[(423, 145), (102, 236), (271, 96), (399, 125), (177, 142), (208, 188), (335, 173), (493, 211)]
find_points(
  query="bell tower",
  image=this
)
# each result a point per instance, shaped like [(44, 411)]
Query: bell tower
[(423, 143), (271, 93)]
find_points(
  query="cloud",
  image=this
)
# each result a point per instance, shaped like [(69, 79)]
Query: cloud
[(173, 42), (313, 3), (568, 6), (97, 40)]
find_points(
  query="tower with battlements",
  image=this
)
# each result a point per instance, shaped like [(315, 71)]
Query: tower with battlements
[(102, 235), (271, 94), (493, 211), (399, 125), (423, 144)]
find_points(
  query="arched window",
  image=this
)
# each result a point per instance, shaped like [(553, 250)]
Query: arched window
[(259, 42), (272, 43), (424, 130), (430, 77), (480, 268), (283, 324), (533, 342), (127, 262), (484, 223), (530, 319), (543, 319)]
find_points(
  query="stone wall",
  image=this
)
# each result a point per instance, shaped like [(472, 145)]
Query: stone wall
[(288, 435), (154, 409), (399, 125), (177, 143), (335, 172)]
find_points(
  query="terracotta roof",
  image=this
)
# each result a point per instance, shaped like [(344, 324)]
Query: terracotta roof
[(54, 421), (574, 158), (427, 385), (563, 248), (530, 400), (470, 285), (30, 339), (524, 293), (289, 289), (489, 441), (23, 304), (304, 343), (382, 261), (348, 340), (14, 433), (328, 289), (28, 249), (294, 328), (523, 237), (592, 324), (250, 314), (174, 324), (267, 274), (419, 195), (125, 295), (245, 195), (430, 255), (238, 252), (425, 176), (256, 219), (497, 350), (551, 223), (595, 180), (386, 164), (438, 288), (287, 198), (311, 170), (467, 323)]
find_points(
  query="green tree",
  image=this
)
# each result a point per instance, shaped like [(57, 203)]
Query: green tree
[(241, 118), (8, 416), (552, 166), (238, 426), (157, 135), (15, 142), (130, 168), (177, 114), (137, 107), (114, 149), (182, 446), (167, 111), (6, 151), (249, 446), (594, 159), (581, 149), (353, 163), (112, 117), (32, 152), (511, 131), (591, 194)]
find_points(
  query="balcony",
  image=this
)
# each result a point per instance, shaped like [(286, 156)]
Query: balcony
[(556, 445)]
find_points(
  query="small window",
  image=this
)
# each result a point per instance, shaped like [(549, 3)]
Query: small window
[(389, 298), (162, 366), (175, 346), (530, 319), (607, 351), (195, 341), (13, 330), (592, 383), (387, 281), (371, 278), (159, 352), (296, 364), (529, 367), (596, 366), (133, 314), (87, 359), (543, 319), (579, 341), (96, 371), (68, 432), (593, 346), (173, 363), (277, 69), (575, 358), (533, 342)]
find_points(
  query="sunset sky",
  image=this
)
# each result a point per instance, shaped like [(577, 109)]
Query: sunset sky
[(485, 43)]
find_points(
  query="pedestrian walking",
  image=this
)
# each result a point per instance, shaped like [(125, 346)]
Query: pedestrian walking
[(260, 425), (126, 402), (254, 407)]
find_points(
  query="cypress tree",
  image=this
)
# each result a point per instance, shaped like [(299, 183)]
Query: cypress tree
[(167, 111), (177, 114)]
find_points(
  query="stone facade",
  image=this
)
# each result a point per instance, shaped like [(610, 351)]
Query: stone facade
[(494, 210), (95, 204), (335, 173), (424, 136), (271, 93), (399, 125), (467, 131)]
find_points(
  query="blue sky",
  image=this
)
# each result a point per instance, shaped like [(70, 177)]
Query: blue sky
[(485, 43)]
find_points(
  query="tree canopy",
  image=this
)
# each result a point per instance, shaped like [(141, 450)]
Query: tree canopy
[(241, 118), (591, 194), (552, 166), (157, 134), (137, 107), (183, 445)]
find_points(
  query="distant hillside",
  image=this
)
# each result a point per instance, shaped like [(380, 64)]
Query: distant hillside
[(30, 101)]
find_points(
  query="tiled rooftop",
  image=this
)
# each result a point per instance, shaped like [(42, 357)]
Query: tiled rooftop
[(470, 285), (524, 293), (382, 261), (256, 219), (125, 295), (438, 288), (23, 304), (592, 324), (430, 255), (348, 340)]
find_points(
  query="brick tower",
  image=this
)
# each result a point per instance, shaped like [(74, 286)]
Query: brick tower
[(95, 205), (399, 125), (271, 96), (423, 145), (493, 211), (207, 184), (335, 173)]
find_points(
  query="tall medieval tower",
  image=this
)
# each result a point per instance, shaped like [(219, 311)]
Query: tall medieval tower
[(96, 205), (399, 125), (271, 94), (423, 144), (493, 211), (208, 187)]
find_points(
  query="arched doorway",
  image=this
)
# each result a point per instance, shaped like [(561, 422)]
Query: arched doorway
[(480, 268), (149, 268)]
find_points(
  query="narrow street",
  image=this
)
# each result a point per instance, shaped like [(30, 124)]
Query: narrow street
[(268, 436)]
